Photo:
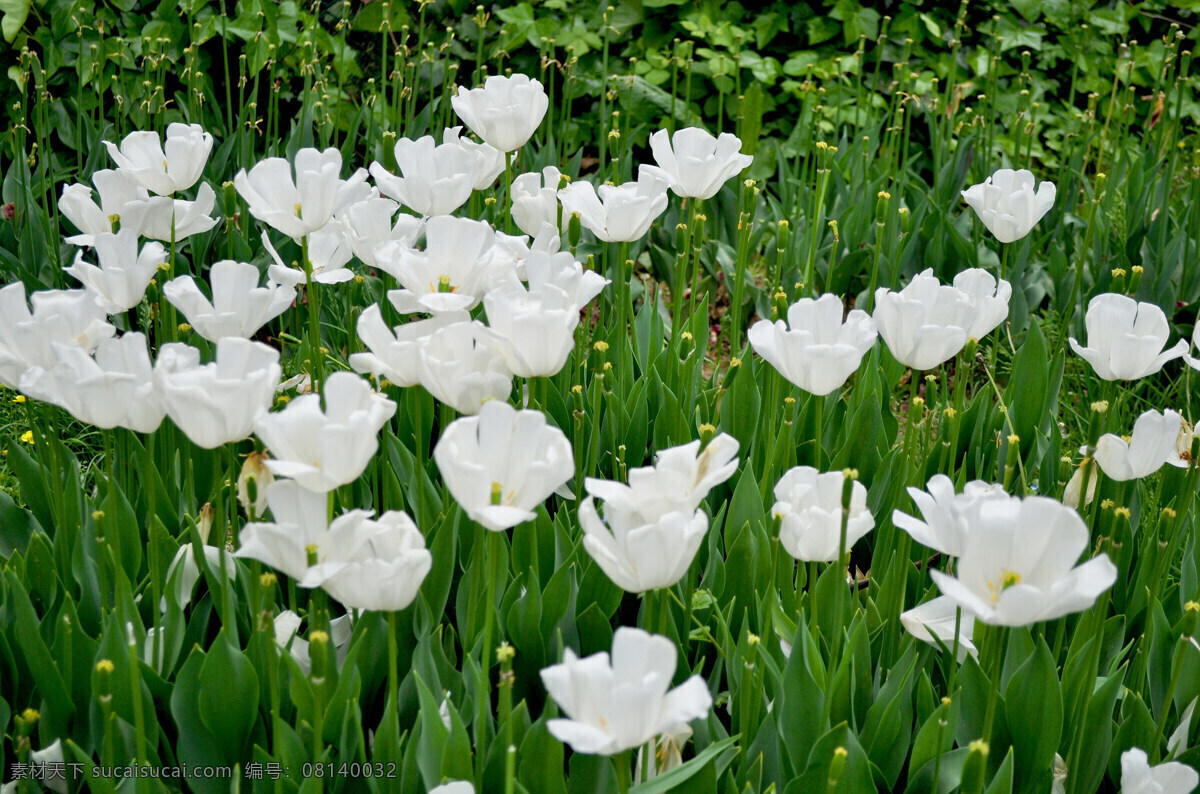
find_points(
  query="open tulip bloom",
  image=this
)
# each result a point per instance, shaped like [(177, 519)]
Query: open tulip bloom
[(697, 163), (989, 300), (489, 161), (301, 204), (809, 504), (535, 200), (561, 270), (815, 349), (503, 463), (925, 324), (239, 307), (395, 353), (620, 703), (27, 337), (325, 449), (461, 365), (1007, 203), (1138, 777), (328, 253), (120, 281), (171, 219), (372, 222), (947, 514), (164, 169), (934, 622), (434, 179), (538, 325), (504, 111), (1153, 443), (618, 213), (1018, 564), (116, 188), (1125, 338)]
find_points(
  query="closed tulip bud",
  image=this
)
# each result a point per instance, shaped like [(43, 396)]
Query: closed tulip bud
[(975, 768), (1118, 279), (837, 766), (1191, 618), (574, 230), (882, 199), (1135, 279), (205, 522), (905, 220), (252, 483)]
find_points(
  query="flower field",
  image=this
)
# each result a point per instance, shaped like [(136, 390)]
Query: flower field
[(518, 399)]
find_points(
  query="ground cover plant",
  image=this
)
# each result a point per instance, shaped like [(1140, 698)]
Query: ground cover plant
[(572, 398)]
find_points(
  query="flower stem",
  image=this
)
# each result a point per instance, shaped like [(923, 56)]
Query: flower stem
[(624, 775)]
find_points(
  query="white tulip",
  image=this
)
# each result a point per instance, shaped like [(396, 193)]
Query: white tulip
[(809, 503), (503, 463), (1138, 777), (947, 514), (68, 317), (460, 263), (989, 300), (563, 271), (254, 470), (697, 163), (302, 204), (538, 325), (454, 787), (115, 388), (183, 573), (382, 573), (163, 218), (239, 307), (504, 111), (1074, 489), (1152, 444), (164, 169), (395, 353), (120, 281), (618, 213), (1125, 338), (614, 705), (461, 365), (434, 180), (936, 619), (369, 224), (489, 160), (1018, 564), (214, 404), (116, 189), (924, 324), (287, 623), (815, 349), (535, 200), (328, 253), (1007, 203), (325, 449)]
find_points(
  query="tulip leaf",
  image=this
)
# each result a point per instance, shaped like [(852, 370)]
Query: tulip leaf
[(17, 526), (228, 697), (1033, 707), (198, 746), (541, 760)]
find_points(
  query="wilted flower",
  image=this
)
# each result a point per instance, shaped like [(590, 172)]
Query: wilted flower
[(120, 281), (989, 300), (621, 213), (300, 205), (460, 263), (815, 350), (1152, 444), (1125, 338), (696, 162), (68, 317), (116, 190), (810, 506), (461, 366), (504, 111), (434, 180), (1018, 564), (1138, 777), (369, 224), (936, 619), (503, 463), (324, 449), (1007, 203), (164, 169), (216, 403), (947, 514), (924, 324), (254, 475), (239, 307), (489, 160), (535, 200), (115, 388), (623, 703), (538, 325)]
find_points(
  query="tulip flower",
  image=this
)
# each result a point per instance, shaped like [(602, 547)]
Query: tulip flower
[(434, 180), (461, 365), (214, 404), (1007, 203), (535, 200), (1074, 489), (383, 572), (239, 307), (503, 463), (375, 221), (1152, 444), (935, 620), (394, 353), (303, 204), (460, 263), (1018, 564), (924, 324), (300, 525), (504, 111), (1138, 777), (116, 190), (454, 787), (696, 162), (164, 169), (1125, 338), (46, 766), (489, 160), (287, 623), (810, 506), (562, 271), (167, 219), (254, 472), (538, 325), (115, 388), (183, 573), (989, 300), (947, 514), (328, 252), (120, 281), (691, 473), (325, 449), (621, 213), (815, 349), (620, 703), (68, 317)]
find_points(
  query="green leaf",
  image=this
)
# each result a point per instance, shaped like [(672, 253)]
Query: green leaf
[(669, 780), (15, 12), (228, 701), (1034, 709)]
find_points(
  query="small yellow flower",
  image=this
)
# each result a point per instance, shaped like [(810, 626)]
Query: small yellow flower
[(19, 399), (27, 437)]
